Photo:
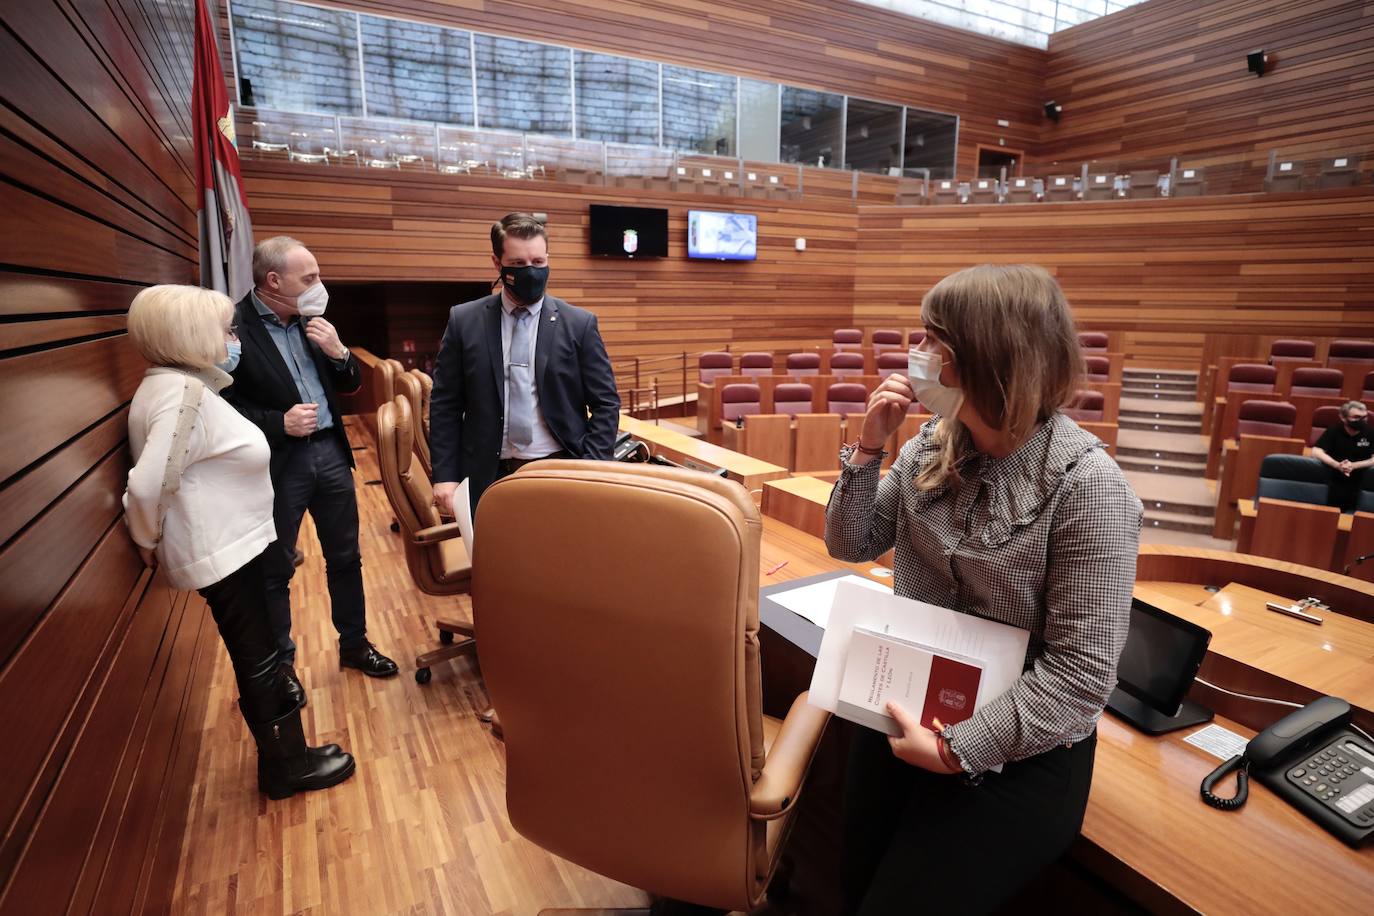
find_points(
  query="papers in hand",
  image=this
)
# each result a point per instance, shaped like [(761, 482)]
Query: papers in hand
[(814, 601), (922, 680), (462, 514), (996, 649)]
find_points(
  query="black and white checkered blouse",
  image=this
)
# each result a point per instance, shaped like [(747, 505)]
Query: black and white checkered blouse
[(1044, 539)]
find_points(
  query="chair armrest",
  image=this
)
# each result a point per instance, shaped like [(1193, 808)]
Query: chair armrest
[(445, 532), (788, 759)]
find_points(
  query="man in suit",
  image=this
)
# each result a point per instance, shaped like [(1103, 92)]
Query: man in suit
[(291, 365), (521, 375)]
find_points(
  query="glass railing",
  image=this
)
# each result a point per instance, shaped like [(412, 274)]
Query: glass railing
[(378, 143)]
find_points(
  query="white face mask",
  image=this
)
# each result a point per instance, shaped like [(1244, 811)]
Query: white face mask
[(311, 303), (923, 370)]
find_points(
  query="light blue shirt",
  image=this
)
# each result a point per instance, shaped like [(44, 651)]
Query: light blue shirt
[(295, 352), (543, 442)]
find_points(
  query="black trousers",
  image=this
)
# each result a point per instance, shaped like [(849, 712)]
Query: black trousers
[(917, 841), (319, 479), (240, 611)]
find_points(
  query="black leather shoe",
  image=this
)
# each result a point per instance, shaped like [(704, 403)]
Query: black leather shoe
[(368, 660), (290, 685)]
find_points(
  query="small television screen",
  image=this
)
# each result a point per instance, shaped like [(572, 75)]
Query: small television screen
[(629, 232), (722, 236), (1161, 658)]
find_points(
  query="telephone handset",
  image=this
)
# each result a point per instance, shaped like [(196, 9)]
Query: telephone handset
[(1314, 760)]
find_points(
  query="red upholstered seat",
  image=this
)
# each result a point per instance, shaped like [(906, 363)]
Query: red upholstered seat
[(1090, 341), (915, 338), (889, 363), (792, 398), (756, 364), (1251, 377), (1266, 418), (1316, 382), (846, 398), (1367, 392), (1282, 350), (1350, 352), (1097, 368), (712, 365), (739, 400), (1322, 419), (847, 339), (847, 364), (803, 364), (886, 339), (1086, 406)]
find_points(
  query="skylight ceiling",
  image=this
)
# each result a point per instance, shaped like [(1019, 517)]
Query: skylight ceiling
[(1027, 22)]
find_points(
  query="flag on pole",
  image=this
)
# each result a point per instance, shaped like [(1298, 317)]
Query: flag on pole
[(226, 235)]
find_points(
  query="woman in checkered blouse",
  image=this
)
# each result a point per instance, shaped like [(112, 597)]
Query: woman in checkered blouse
[(1009, 511)]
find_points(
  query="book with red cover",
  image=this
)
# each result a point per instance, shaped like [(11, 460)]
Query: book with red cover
[(926, 682)]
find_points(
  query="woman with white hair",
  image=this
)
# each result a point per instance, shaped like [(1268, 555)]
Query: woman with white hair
[(199, 504), (1002, 508)]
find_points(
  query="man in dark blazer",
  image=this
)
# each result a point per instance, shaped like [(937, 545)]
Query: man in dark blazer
[(521, 375), (291, 366)]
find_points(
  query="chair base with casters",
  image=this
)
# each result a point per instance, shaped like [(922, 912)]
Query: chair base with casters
[(450, 647)]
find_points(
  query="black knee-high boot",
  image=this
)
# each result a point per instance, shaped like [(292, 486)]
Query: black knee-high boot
[(286, 765)]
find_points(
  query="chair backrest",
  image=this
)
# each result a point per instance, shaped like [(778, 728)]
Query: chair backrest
[(1365, 501), (384, 381), (847, 364), (1251, 377), (886, 339), (803, 364), (1100, 186), (632, 756), (739, 400), (1295, 532), (847, 338), (889, 363), (1323, 418), (411, 497), (984, 190), (1266, 418), (1297, 478), (1097, 368), (1143, 183), (408, 387), (1059, 187), (845, 398), (915, 338), (1344, 352), (713, 365), (792, 398), (1020, 190), (756, 364), (1367, 389), (426, 391), (1292, 350), (1089, 341), (1190, 182), (1317, 382), (1339, 172), (1087, 406)]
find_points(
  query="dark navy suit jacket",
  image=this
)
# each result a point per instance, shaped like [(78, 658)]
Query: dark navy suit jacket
[(573, 378)]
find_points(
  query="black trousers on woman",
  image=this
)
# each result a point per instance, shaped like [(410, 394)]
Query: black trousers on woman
[(917, 841), (238, 604)]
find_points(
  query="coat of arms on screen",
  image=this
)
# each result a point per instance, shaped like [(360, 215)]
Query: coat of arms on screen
[(631, 241)]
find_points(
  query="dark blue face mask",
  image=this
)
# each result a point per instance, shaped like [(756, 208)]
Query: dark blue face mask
[(526, 283)]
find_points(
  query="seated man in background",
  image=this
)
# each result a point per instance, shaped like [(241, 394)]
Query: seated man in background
[(521, 375), (1347, 448)]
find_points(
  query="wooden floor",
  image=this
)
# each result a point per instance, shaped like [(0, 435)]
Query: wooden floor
[(421, 827)]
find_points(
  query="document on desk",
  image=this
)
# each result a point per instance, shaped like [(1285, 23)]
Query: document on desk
[(813, 601), (462, 514), (996, 649)]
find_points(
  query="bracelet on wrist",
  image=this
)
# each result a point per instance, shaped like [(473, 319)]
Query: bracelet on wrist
[(859, 446), (947, 755)]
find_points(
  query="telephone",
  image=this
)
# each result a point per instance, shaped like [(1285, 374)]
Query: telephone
[(1315, 760)]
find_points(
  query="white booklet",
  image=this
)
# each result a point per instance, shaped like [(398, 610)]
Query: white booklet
[(939, 688), (999, 649), (462, 514)]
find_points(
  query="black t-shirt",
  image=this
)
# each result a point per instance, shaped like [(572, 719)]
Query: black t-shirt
[(1342, 446)]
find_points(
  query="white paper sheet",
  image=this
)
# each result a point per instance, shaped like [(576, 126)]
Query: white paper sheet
[(1001, 648), (462, 514), (813, 601), (1220, 742)]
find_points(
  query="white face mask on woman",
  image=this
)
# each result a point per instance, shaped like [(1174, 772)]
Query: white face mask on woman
[(923, 370)]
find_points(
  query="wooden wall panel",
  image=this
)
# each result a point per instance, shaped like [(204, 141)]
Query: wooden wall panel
[(99, 660), (1247, 264), (1168, 78)]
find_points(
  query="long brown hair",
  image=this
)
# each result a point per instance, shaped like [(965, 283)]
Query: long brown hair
[(1013, 338)]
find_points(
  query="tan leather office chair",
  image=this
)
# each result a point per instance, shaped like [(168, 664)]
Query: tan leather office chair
[(435, 554), (408, 387), (426, 390), (618, 611)]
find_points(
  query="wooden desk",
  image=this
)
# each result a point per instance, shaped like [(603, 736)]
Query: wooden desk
[(694, 453), (800, 502), (1146, 832), (1247, 512)]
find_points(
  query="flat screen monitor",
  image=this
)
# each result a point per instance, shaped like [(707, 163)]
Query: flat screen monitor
[(722, 236), (629, 232), (1162, 656)]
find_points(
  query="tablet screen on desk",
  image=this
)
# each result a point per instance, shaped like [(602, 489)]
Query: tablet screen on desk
[(1162, 656)]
